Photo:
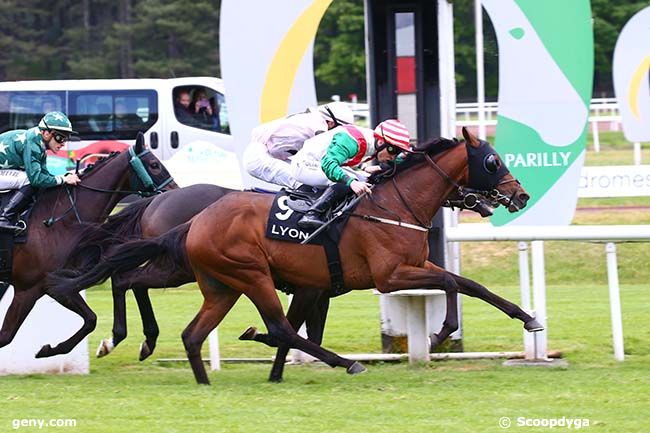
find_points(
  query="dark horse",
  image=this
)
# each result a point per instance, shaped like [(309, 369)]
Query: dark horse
[(62, 209), (143, 219), (229, 253)]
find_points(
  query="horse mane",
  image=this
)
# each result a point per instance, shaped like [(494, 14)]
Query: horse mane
[(430, 147), (100, 161)]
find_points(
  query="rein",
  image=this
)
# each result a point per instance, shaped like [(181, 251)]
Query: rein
[(468, 198), (141, 172)]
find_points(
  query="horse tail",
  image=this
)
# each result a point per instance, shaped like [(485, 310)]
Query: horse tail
[(94, 239), (126, 224), (167, 250)]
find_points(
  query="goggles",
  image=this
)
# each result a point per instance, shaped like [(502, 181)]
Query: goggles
[(59, 137), (393, 150)]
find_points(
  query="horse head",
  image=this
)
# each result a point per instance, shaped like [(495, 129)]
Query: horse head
[(488, 176), (148, 174)]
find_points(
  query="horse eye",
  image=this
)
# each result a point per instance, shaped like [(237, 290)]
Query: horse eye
[(491, 164)]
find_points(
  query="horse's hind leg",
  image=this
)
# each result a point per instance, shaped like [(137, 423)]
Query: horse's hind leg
[(474, 289), (218, 300), (310, 307), (306, 306), (268, 305), (74, 302)]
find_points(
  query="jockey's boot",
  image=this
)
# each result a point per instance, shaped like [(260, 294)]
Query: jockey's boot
[(313, 219), (14, 207)]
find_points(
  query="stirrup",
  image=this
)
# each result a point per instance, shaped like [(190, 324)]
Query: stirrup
[(310, 222), (9, 227)]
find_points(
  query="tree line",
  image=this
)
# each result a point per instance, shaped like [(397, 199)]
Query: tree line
[(45, 39)]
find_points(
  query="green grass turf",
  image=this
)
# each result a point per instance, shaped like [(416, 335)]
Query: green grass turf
[(124, 395)]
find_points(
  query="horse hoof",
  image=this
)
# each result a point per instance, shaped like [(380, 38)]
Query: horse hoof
[(249, 334), (145, 351), (533, 326), (45, 351), (275, 379), (356, 368), (106, 346)]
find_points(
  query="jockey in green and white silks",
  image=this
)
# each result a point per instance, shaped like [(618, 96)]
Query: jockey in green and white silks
[(23, 162), (272, 145), (332, 159)]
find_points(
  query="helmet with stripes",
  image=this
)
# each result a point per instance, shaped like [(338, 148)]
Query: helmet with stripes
[(393, 132)]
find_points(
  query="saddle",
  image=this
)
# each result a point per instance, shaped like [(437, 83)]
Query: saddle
[(288, 207), (7, 239)]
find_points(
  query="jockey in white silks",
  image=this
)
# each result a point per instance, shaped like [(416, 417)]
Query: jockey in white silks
[(272, 145)]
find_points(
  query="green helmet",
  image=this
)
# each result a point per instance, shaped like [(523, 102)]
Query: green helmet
[(57, 121)]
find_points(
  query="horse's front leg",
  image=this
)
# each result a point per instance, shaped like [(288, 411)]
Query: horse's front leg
[(428, 277), (73, 301), (474, 289), (20, 306)]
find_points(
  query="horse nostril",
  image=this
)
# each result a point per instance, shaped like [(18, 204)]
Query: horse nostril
[(524, 197)]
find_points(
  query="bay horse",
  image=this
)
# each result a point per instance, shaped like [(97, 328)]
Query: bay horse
[(154, 216), (62, 209), (229, 253)]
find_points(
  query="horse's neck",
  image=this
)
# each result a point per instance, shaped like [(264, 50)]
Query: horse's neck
[(108, 179), (95, 206), (422, 188)]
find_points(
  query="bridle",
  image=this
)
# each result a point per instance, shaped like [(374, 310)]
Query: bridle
[(135, 162), (468, 196)]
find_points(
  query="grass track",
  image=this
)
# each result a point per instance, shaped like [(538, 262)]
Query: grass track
[(123, 395)]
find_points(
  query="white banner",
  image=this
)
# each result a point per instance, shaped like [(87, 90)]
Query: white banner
[(267, 62), (630, 72), (615, 181)]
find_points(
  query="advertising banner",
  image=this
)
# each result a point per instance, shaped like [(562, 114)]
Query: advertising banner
[(545, 85), (266, 50)]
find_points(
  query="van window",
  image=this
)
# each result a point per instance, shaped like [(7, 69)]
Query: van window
[(201, 107), (117, 115), (23, 110)]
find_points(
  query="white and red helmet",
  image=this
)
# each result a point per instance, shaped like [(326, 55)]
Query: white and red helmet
[(393, 132)]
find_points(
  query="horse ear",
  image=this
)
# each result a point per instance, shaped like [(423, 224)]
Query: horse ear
[(470, 138), (139, 142)]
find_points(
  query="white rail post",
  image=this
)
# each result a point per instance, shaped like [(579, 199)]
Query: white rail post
[(637, 153), (615, 301), (539, 295), (213, 343), (594, 133), (524, 286), (418, 339)]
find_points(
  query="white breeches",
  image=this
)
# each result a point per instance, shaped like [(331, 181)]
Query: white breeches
[(13, 179), (260, 164)]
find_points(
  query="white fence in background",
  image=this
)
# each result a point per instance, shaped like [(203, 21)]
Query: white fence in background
[(535, 345), (602, 111)]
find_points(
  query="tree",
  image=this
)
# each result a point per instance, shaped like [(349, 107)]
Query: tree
[(339, 50), (176, 38)]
